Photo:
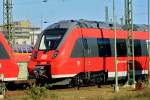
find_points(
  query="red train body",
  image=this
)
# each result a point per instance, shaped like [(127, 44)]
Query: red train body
[(23, 52), (72, 48), (8, 66)]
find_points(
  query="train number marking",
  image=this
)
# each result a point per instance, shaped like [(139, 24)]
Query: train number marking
[(78, 63)]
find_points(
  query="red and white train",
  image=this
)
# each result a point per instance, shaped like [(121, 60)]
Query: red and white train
[(84, 51), (9, 69)]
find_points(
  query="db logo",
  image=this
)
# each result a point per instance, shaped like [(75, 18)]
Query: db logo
[(44, 56)]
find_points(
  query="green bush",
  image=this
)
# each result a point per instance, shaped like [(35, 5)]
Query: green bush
[(37, 93)]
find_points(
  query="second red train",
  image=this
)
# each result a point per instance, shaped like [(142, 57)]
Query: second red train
[(83, 51)]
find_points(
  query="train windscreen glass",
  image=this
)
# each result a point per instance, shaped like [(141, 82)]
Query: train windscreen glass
[(3, 54), (51, 39)]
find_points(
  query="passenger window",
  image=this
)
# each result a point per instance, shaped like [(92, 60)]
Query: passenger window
[(29, 50), (24, 50), (77, 49), (91, 48), (14, 49), (104, 47), (85, 44), (121, 47), (144, 48), (19, 50), (137, 48)]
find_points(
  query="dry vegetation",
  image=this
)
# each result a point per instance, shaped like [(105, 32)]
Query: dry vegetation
[(85, 93)]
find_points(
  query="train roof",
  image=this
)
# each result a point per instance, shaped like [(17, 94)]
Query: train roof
[(94, 24)]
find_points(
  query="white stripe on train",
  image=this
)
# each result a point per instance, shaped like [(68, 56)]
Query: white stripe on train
[(124, 73), (63, 75), (10, 79), (110, 74)]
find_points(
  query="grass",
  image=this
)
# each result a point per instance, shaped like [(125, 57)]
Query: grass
[(85, 93)]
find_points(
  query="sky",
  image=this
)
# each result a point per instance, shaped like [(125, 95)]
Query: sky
[(38, 12)]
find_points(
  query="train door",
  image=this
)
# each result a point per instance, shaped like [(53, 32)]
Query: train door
[(90, 54)]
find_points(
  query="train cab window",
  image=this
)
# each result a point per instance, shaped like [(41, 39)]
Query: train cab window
[(121, 47), (3, 54), (137, 48), (50, 42), (50, 39), (104, 47)]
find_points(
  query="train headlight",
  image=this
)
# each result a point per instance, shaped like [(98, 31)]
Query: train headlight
[(55, 54)]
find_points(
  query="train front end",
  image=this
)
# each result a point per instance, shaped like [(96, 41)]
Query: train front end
[(9, 69), (46, 51)]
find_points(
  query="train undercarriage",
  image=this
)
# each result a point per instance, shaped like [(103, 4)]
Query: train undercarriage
[(98, 78), (42, 76)]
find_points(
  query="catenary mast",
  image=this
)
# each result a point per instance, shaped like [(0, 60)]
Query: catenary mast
[(8, 20)]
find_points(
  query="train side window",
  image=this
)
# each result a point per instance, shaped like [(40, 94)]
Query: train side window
[(85, 44), (14, 49), (29, 50), (3, 54), (137, 48), (104, 47), (144, 48), (24, 50), (19, 50), (121, 47), (92, 49), (77, 50)]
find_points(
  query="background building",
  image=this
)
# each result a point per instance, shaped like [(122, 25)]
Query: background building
[(1, 28), (24, 32)]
